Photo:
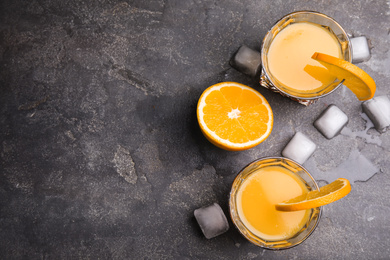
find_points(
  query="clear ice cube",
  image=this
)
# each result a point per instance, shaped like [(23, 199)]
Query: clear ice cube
[(331, 121), (360, 49), (247, 61), (378, 110), (212, 220), (300, 148)]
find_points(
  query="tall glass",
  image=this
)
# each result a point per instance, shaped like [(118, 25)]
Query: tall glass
[(269, 80), (247, 229)]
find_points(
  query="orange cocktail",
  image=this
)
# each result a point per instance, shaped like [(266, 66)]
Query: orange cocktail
[(255, 192), (257, 197), (287, 50), (290, 61)]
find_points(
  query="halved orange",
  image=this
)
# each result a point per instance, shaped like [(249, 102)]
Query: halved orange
[(327, 194), (233, 116), (356, 79)]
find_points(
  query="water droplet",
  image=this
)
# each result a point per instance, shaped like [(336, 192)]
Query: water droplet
[(363, 134), (356, 168)]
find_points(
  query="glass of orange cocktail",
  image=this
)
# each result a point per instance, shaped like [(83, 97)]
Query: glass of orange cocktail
[(255, 192), (287, 66)]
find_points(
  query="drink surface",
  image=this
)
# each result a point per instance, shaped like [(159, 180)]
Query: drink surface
[(290, 61), (256, 201)]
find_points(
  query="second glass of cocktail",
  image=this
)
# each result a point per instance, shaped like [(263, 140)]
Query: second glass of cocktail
[(287, 50), (255, 192)]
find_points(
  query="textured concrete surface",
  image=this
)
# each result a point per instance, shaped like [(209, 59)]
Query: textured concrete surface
[(101, 155)]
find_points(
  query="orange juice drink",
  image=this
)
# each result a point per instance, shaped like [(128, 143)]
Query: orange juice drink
[(255, 192), (287, 50), (290, 61), (257, 197)]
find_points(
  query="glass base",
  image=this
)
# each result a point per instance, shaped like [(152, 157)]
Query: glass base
[(265, 82)]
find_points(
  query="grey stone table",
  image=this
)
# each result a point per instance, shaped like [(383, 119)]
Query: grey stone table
[(101, 154)]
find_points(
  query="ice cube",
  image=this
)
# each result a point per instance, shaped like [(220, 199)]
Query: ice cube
[(331, 121), (300, 148), (378, 110), (212, 220), (247, 61), (360, 49)]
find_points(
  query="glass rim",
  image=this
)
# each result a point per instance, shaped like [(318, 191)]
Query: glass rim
[(233, 209), (269, 33)]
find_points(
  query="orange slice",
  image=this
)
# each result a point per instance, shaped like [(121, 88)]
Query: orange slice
[(356, 79), (327, 194), (233, 116)]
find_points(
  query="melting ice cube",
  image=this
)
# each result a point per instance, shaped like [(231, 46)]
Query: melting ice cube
[(360, 49), (378, 110), (331, 121), (247, 61), (299, 149), (211, 220)]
